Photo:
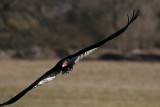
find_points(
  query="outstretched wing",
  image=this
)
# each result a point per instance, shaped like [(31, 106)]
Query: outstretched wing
[(48, 76), (86, 51)]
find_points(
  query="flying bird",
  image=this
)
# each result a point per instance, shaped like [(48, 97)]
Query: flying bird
[(66, 64)]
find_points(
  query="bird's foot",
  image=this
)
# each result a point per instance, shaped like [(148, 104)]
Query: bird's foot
[(66, 72)]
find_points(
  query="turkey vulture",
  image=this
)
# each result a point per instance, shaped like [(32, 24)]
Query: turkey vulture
[(66, 64)]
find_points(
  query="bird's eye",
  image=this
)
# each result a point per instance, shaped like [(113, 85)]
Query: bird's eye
[(64, 64)]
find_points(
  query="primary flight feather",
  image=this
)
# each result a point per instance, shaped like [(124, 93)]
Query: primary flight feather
[(66, 64)]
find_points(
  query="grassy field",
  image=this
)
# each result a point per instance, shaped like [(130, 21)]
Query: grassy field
[(90, 84)]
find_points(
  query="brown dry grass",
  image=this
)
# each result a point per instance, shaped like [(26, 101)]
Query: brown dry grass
[(91, 84)]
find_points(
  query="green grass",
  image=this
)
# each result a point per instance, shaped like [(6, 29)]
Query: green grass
[(90, 84)]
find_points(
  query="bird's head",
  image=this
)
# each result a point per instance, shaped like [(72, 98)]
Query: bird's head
[(67, 64)]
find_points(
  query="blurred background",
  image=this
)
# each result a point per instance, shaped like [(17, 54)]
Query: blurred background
[(38, 29), (35, 34)]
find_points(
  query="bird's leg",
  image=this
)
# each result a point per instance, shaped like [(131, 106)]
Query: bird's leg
[(67, 72)]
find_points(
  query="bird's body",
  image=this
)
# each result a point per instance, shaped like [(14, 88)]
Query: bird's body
[(66, 64)]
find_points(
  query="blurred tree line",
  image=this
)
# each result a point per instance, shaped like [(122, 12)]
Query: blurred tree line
[(66, 25)]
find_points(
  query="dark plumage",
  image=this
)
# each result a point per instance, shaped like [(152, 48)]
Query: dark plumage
[(66, 64)]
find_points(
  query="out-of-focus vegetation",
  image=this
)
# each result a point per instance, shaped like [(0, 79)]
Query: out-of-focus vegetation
[(29, 27)]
